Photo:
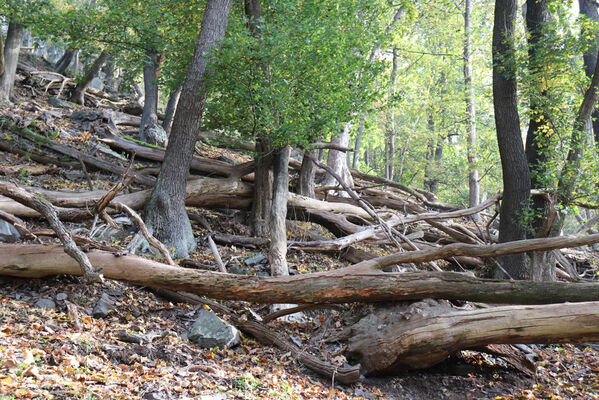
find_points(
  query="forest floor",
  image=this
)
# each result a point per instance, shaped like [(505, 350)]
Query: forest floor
[(52, 347)]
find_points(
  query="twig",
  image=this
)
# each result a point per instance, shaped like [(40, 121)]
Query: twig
[(144, 230), (84, 169), (217, 258), (300, 308), (45, 208)]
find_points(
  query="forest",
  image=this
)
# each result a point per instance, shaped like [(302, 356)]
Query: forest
[(299, 199)]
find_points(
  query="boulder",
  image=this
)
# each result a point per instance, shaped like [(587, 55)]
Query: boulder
[(8, 233), (210, 331), (45, 303)]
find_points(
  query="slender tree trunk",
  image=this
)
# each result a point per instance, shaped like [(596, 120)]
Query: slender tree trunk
[(14, 38), (277, 253), (358, 144), (473, 186), (1, 56), (516, 175), (538, 143), (166, 216), (76, 63), (149, 130), (306, 177), (171, 106), (112, 80), (65, 61), (338, 161), (589, 9), (390, 142), (78, 95), (263, 188), (434, 158)]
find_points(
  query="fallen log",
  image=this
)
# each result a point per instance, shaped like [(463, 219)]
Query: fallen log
[(395, 339), (76, 154), (198, 164), (339, 286)]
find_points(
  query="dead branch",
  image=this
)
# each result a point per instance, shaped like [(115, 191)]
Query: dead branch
[(44, 207)]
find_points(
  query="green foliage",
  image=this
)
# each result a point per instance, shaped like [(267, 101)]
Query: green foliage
[(305, 74)]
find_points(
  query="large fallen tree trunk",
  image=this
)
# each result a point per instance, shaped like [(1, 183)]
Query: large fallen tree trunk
[(351, 284), (423, 334)]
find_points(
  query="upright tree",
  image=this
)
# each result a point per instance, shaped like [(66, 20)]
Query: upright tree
[(516, 175), (12, 46), (165, 210)]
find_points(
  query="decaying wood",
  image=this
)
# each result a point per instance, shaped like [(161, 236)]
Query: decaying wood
[(47, 210), (425, 335), (28, 169), (76, 154), (340, 286), (44, 159), (219, 261)]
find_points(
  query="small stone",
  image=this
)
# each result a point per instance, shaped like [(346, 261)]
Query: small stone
[(58, 103), (45, 303), (154, 396), (293, 271), (237, 269), (8, 233), (84, 116), (363, 393), (103, 306), (210, 331), (255, 260), (263, 273), (62, 296)]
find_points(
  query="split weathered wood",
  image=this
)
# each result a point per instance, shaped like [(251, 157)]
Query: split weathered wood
[(216, 255), (363, 282), (390, 340)]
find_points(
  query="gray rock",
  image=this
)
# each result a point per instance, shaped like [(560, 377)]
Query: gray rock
[(363, 393), (62, 296), (103, 306), (84, 116), (58, 103), (210, 331), (237, 269), (45, 303), (8, 233), (262, 273), (255, 260), (155, 134), (155, 396)]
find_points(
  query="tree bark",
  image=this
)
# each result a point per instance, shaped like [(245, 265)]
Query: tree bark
[(423, 334), (65, 61), (149, 116), (1, 56), (171, 107), (390, 140), (263, 189), (338, 161), (589, 9), (277, 253), (352, 284), (165, 212), (473, 185), (12, 46), (78, 94), (358, 144), (307, 175), (516, 175)]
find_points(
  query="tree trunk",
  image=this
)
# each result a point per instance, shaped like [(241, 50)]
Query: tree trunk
[(171, 107), (277, 253), (1, 56), (65, 61), (516, 175), (338, 161), (78, 94), (307, 175), (351, 284), (112, 79), (473, 186), (358, 144), (390, 140), (149, 130), (165, 212), (432, 171), (12, 46), (589, 9), (263, 189), (399, 338)]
